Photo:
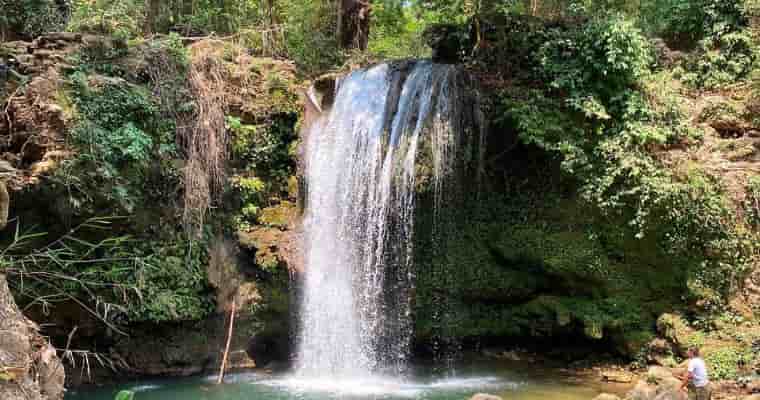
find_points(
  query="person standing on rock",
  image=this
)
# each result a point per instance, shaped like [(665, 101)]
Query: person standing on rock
[(696, 379)]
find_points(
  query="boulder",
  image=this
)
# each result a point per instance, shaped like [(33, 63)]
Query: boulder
[(617, 376), (485, 396), (29, 367), (668, 385), (606, 396), (672, 395), (659, 374), (675, 329), (642, 391), (660, 352)]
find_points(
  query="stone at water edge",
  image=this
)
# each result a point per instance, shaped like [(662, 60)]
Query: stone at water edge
[(606, 396), (670, 389), (659, 374), (677, 395), (485, 396), (642, 391), (669, 385), (617, 376)]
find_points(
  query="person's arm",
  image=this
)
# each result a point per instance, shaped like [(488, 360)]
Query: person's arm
[(686, 379)]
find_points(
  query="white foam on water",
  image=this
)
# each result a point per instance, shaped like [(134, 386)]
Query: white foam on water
[(236, 377), (144, 388), (386, 387)]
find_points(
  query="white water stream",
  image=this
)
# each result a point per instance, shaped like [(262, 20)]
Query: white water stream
[(361, 171)]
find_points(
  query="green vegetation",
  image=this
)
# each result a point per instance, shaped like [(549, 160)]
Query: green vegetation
[(125, 395)]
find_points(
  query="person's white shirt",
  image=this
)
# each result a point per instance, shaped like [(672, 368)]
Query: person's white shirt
[(698, 371)]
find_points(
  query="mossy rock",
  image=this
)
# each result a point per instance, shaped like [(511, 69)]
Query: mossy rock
[(279, 216), (264, 241), (677, 331)]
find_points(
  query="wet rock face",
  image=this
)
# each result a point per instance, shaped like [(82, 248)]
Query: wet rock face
[(29, 367)]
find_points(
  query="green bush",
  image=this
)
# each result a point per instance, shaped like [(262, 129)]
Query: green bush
[(265, 149), (170, 278), (121, 138), (594, 64), (724, 363), (727, 59), (311, 37), (686, 22), (752, 202), (123, 19), (31, 18), (603, 111)]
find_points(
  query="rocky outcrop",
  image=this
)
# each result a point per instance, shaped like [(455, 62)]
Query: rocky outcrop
[(485, 396), (37, 112), (29, 366), (606, 396), (659, 384)]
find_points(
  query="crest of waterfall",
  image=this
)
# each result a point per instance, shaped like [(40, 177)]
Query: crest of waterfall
[(390, 131)]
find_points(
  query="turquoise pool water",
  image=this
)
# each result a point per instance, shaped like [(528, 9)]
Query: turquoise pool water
[(509, 380)]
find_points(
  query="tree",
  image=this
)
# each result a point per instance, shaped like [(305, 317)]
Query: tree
[(353, 23), (152, 11)]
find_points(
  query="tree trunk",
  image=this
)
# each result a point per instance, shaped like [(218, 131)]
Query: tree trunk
[(220, 378), (152, 10), (353, 24)]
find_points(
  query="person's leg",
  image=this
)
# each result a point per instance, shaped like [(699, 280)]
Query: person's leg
[(703, 393)]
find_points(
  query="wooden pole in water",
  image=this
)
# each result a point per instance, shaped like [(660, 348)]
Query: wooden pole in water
[(227, 346)]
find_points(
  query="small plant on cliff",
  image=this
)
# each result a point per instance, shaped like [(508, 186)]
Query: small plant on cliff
[(752, 202), (251, 194), (118, 133)]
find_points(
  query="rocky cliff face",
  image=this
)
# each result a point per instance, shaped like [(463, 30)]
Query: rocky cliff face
[(29, 367)]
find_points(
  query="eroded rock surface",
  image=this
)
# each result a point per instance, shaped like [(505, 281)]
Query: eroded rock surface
[(29, 366)]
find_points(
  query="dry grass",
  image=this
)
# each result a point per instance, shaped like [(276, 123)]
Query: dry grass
[(206, 141)]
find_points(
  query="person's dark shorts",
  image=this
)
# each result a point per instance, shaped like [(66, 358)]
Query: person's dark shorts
[(700, 393)]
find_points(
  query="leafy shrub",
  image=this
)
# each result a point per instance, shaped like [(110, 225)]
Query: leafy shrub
[(595, 67), (250, 191), (31, 18), (603, 111), (690, 21), (724, 60), (265, 149), (724, 362), (311, 37), (123, 19), (396, 32), (119, 134), (171, 280), (752, 202)]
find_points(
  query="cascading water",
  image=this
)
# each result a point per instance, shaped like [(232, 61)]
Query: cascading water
[(364, 162)]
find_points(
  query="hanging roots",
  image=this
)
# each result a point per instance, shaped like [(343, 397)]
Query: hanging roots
[(205, 141)]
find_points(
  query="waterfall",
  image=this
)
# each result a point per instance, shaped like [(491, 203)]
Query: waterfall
[(391, 130)]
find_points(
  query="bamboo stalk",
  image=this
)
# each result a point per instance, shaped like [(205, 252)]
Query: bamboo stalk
[(227, 346)]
